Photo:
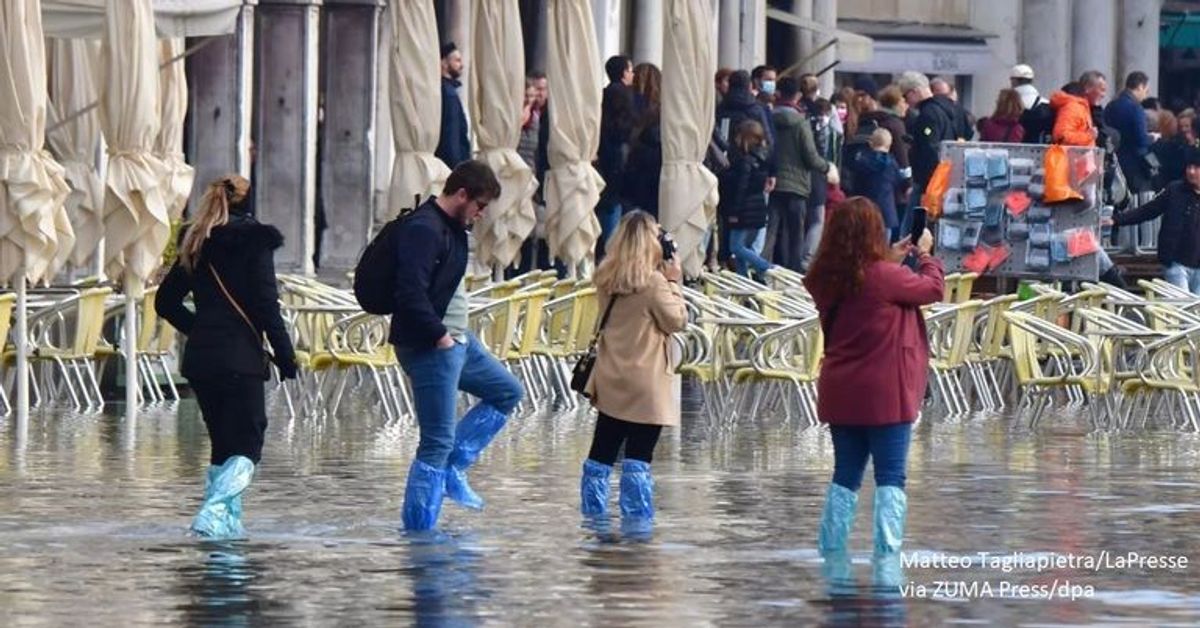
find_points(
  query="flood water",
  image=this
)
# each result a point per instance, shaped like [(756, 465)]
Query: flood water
[(93, 512)]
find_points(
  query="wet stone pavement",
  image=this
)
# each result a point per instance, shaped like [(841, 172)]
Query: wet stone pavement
[(93, 512)]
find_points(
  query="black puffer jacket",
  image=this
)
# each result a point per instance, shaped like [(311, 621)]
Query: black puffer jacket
[(743, 197), (1179, 235), (219, 342)]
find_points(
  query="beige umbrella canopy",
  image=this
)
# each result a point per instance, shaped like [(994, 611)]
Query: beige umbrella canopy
[(688, 193), (572, 185), (173, 103), (136, 224), (416, 103), (75, 142), (33, 223), (497, 91)]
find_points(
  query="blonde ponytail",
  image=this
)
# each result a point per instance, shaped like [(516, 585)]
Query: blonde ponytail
[(214, 211)]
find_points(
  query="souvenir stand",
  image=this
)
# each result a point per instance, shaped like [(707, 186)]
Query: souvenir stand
[(1002, 215)]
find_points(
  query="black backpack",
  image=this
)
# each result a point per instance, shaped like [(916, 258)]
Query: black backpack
[(1038, 122), (375, 273)]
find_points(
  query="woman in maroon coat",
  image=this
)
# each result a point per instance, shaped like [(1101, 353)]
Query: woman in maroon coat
[(873, 374)]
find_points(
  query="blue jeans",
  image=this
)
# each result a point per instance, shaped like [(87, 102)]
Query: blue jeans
[(745, 244), (887, 446), (437, 375), (609, 218), (1183, 277)]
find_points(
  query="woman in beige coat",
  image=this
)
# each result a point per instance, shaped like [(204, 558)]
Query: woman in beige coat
[(631, 381)]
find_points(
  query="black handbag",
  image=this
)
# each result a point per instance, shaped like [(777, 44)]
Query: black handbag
[(582, 373)]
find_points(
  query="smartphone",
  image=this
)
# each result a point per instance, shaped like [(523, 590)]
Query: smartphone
[(918, 225)]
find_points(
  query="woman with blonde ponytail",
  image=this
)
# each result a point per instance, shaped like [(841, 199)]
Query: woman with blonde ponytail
[(226, 262)]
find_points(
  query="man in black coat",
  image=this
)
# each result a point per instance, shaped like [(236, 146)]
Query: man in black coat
[(616, 125), (439, 354), (1179, 235), (453, 145)]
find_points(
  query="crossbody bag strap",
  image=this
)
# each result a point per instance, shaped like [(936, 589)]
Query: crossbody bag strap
[(604, 320), (233, 302)]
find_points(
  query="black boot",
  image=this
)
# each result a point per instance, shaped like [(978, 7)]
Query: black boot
[(1113, 277)]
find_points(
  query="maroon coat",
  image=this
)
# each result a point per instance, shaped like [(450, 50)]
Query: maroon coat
[(1001, 130), (877, 353)]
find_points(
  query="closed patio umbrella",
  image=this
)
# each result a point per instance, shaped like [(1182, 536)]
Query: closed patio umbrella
[(415, 95), (572, 185), (32, 185), (497, 92), (76, 141), (173, 104), (136, 224), (688, 194)]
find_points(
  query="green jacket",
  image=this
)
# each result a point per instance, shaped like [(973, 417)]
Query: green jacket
[(796, 154)]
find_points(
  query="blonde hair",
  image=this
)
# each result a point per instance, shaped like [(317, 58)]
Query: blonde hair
[(749, 136), (632, 255), (229, 190), (880, 138)]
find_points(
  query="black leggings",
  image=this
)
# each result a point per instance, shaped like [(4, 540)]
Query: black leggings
[(235, 413), (639, 440)]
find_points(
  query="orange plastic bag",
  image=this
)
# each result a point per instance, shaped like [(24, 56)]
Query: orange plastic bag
[(935, 191), (1058, 176), (977, 261)]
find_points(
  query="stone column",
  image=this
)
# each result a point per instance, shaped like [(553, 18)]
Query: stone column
[(536, 60), (220, 90), (607, 16), (385, 150), (1046, 42), (1094, 37), (825, 12), (648, 32), (729, 40), (1002, 17), (350, 53), (800, 40), (286, 129), (1139, 41)]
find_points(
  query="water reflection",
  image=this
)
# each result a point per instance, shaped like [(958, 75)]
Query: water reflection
[(223, 587), (446, 588)]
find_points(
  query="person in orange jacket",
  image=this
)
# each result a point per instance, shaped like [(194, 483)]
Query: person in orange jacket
[(1073, 124)]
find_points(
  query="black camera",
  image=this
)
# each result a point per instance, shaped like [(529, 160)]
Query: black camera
[(667, 243)]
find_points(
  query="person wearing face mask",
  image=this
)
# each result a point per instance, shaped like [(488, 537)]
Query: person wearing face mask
[(764, 77), (438, 353)]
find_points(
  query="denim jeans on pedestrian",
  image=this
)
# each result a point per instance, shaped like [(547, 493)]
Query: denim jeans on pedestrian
[(1184, 277), (437, 375), (886, 446), (745, 245), (609, 218)]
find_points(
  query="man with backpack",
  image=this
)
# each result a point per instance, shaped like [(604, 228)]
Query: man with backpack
[(1037, 119), (418, 261)]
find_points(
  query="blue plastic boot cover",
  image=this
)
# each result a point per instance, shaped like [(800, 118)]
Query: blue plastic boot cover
[(837, 518), (887, 572), (891, 507), (423, 496), (210, 476), (593, 488), (838, 572), (218, 517), (637, 490), (476, 429)]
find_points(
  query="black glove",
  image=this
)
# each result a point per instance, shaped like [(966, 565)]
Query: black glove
[(286, 366)]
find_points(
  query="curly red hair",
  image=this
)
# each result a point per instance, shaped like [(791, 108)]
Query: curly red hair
[(852, 241)]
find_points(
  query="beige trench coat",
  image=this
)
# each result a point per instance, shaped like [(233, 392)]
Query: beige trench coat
[(632, 377)]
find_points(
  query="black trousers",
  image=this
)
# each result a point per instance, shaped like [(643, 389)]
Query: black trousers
[(785, 231), (235, 412), (611, 433)]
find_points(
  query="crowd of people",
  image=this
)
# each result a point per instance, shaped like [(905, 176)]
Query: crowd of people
[(785, 154)]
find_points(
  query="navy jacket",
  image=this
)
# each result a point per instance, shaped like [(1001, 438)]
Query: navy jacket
[(878, 178), (453, 145), (431, 258), (1129, 119), (219, 342)]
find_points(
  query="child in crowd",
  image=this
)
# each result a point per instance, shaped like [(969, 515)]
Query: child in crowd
[(880, 177)]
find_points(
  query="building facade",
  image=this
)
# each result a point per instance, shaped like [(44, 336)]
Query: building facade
[(298, 99)]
